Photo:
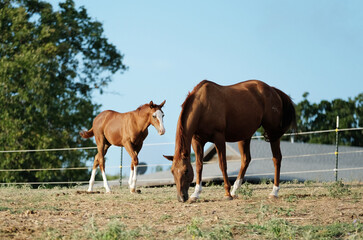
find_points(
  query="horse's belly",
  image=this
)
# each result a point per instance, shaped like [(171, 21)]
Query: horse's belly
[(241, 129)]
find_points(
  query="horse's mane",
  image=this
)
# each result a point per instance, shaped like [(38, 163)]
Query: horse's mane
[(185, 106), (141, 107)]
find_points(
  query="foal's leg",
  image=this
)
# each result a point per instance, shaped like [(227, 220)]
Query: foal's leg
[(103, 166), (221, 151), (276, 153), (102, 146), (93, 174), (134, 162), (244, 148), (198, 148)]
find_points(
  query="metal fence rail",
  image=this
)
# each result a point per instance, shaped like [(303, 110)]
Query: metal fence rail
[(336, 170)]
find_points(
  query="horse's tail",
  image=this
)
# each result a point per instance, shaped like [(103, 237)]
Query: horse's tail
[(289, 115), (87, 134)]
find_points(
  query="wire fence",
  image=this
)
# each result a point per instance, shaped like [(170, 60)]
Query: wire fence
[(145, 179)]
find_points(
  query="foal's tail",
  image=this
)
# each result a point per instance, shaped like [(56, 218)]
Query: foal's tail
[(289, 115), (87, 134)]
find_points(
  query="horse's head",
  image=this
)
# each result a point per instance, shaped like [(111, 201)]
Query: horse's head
[(156, 117), (183, 176)]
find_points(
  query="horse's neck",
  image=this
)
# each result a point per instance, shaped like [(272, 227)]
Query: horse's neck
[(141, 120), (186, 129)]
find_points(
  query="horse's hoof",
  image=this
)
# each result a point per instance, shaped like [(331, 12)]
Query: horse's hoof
[(235, 196), (192, 200), (133, 190), (272, 196), (228, 197)]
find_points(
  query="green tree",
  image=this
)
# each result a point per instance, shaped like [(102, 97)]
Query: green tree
[(50, 63), (322, 116)]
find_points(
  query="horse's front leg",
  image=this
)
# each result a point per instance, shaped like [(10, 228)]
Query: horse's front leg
[(198, 148), (221, 151), (133, 170)]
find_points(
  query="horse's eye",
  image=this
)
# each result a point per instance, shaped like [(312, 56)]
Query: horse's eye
[(154, 116)]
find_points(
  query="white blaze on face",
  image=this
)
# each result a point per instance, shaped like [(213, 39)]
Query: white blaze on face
[(159, 116)]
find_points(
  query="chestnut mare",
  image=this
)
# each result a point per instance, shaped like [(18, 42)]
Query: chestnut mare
[(124, 130), (214, 113)]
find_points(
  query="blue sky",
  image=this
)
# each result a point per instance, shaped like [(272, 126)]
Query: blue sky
[(170, 46)]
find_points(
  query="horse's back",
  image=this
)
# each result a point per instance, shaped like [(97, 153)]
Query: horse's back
[(239, 109)]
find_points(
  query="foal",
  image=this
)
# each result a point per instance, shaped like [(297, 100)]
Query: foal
[(127, 130)]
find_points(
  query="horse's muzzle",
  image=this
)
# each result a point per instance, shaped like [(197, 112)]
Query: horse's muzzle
[(162, 131), (183, 197)]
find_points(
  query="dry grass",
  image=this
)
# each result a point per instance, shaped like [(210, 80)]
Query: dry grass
[(303, 211)]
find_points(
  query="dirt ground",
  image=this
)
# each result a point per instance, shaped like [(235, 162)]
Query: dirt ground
[(302, 210)]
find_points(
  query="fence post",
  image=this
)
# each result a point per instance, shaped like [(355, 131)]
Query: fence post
[(122, 149), (336, 149)]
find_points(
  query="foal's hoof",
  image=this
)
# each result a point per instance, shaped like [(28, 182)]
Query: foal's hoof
[(234, 196), (192, 200), (133, 190), (272, 197), (228, 198)]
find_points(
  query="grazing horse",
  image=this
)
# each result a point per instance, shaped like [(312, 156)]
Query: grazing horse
[(214, 113), (124, 130)]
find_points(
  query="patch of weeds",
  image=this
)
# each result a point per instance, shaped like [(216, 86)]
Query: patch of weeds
[(165, 217), (4, 209), (284, 212), (274, 229), (220, 232), (335, 231), (51, 233), (308, 183), (210, 184), (261, 214), (193, 228), (115, 230), (356, 196), (279, 229), (112, 217), (295, 181), (245, 190), (338, 189), (291, 198), (266, 181)]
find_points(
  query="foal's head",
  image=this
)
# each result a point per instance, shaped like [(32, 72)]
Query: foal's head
[(156, 116)]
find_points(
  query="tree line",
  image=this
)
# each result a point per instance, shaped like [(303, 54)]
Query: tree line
[(50, 63)]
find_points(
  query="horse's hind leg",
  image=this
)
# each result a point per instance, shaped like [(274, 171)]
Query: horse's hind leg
[(244, 148), (93, 174), (277, 157), (102, 147), (103, 166)]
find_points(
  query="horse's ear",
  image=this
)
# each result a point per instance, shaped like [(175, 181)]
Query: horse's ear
[(162, 104), (170, 158), (151, 104)]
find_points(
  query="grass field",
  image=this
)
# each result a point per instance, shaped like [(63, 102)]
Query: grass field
[(303, 211)]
